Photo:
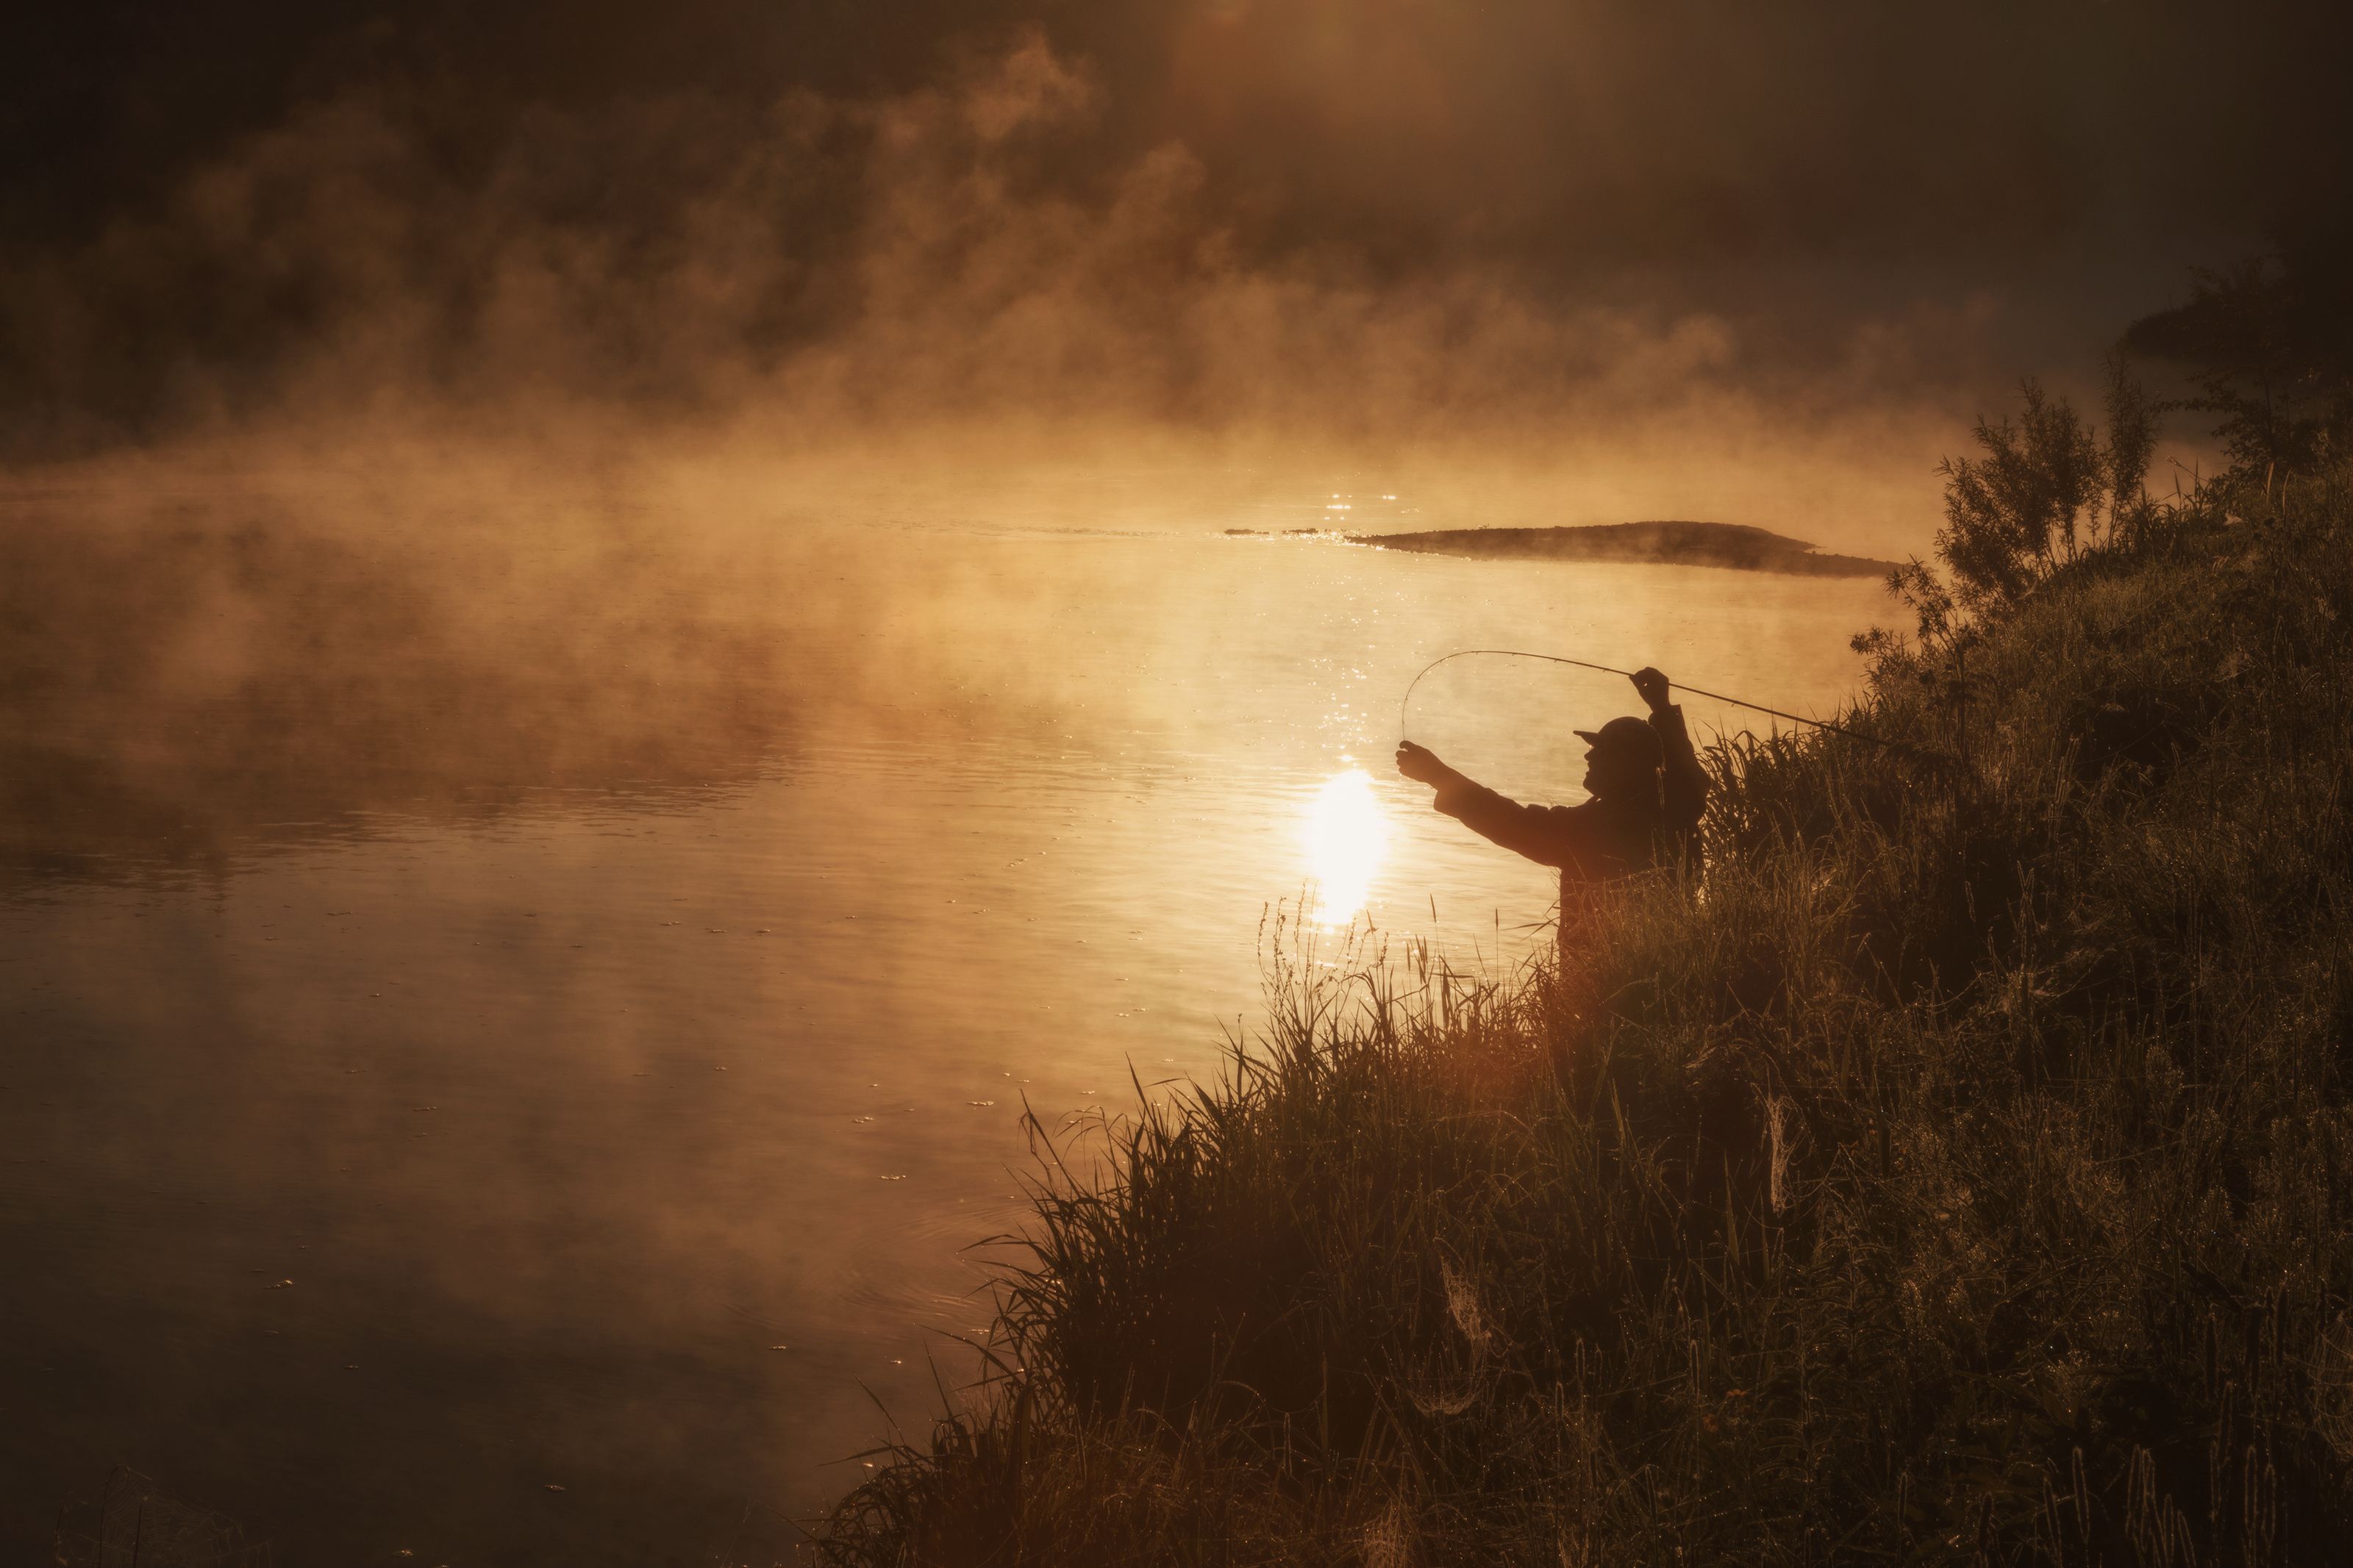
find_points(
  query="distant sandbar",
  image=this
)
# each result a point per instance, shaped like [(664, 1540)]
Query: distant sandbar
[(1730, 544)]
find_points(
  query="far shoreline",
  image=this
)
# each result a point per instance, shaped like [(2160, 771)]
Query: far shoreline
[(1735, 546)]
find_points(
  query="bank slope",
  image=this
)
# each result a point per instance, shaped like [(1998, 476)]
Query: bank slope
[(1966, 1176)]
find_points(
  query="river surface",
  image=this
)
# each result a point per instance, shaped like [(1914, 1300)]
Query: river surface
[(506, 1059)]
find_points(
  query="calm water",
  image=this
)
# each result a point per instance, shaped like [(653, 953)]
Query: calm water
[(452, 1052)]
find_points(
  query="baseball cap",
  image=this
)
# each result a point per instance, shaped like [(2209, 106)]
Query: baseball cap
[(1629, 737)]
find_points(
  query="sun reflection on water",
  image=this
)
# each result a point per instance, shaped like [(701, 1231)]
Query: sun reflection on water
[(1345, 836)]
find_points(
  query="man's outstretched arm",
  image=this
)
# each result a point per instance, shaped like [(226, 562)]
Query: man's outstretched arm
[(1545, 834)]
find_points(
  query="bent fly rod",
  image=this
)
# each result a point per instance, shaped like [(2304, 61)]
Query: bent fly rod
[(1405, 702)]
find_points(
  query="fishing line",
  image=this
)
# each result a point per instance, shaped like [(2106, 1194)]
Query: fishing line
[(1405, 702)]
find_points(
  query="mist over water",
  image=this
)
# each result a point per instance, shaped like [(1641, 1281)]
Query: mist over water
[(585, 945)]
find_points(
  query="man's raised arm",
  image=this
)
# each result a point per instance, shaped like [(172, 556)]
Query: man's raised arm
[(1685, 782)]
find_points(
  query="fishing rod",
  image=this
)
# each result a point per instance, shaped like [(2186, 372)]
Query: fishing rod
[(1405, 702)]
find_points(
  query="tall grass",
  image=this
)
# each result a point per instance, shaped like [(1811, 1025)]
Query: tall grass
[(1961, 1170)]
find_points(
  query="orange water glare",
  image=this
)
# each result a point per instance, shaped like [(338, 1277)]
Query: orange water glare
[(1346, 834)]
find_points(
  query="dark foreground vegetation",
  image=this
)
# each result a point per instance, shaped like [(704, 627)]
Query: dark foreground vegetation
[(1961, 1170)]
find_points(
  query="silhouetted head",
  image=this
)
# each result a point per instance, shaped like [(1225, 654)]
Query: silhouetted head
[(1623, 761)]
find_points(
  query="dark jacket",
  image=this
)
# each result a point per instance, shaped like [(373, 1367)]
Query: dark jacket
[(1600, 841)]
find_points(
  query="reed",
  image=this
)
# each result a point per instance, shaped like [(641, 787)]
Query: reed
[(1960, 1171)]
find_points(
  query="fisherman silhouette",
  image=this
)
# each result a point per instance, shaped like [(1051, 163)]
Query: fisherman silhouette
[(1647, 792)]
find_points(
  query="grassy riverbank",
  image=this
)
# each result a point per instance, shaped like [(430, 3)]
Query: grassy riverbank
[(1962, 1173)]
